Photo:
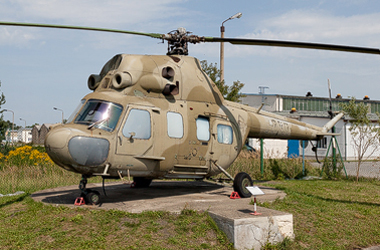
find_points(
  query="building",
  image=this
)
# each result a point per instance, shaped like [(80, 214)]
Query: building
[(309, 109), (11, 136), (39, 132), (24, 135)]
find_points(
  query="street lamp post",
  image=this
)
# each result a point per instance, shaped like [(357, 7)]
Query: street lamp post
[(13, 122), (59, 110), (24, 129), (222, 29)]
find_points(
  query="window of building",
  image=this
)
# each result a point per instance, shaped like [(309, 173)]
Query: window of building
[(322, 143), (138, 124), (175, 124), (203, 129), (224, 134)]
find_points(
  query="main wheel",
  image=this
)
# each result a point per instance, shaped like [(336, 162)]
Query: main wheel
[(141, 182), (92, 198), (241, 181)]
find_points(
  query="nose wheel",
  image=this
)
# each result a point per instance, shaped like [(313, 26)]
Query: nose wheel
[(92, 197)]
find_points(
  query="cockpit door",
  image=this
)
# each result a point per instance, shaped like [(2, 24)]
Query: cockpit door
[(136, 134)]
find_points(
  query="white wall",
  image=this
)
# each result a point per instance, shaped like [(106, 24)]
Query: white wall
[(273, 148), (352, 152), (24, 135), (321, 152)]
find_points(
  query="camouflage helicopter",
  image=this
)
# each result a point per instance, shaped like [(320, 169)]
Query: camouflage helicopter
[(161, 116)]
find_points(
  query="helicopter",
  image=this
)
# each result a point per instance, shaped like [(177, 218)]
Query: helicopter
[(162, 117)]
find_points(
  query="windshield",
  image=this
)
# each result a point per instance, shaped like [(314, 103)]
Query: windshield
[(72, 116), (99, 114)]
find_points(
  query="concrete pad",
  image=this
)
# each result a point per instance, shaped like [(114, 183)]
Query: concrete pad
[(232, 216), (172, 196)]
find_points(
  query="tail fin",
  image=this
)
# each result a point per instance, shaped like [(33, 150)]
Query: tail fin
[(328, 126)]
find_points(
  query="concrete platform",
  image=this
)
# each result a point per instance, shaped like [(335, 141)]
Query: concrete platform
[(231, 215)]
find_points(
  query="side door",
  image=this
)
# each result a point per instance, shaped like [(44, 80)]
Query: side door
[(224, 142)]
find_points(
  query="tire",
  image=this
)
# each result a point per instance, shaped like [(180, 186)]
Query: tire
[(241, 181), (141, 182), (92, 198)]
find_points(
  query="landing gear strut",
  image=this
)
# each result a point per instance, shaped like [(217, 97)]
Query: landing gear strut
[(241, 181), (92, 197)]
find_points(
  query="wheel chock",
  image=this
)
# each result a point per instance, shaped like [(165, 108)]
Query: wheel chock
[(234, 195), (79, 201)]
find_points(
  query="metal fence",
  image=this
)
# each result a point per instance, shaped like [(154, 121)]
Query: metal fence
[(368, 169)]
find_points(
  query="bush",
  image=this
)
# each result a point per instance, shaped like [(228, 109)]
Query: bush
[(26, 156), (274, 169), (331, 170)]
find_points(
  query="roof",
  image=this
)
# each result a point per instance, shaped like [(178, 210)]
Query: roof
[(310, 97)]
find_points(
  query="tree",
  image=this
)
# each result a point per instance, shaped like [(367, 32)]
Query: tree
[(365, 132), (231, 93)]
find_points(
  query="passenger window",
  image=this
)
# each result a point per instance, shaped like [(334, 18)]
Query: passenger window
[(203, 131), (138, 122), (224, 134), (175, 125)]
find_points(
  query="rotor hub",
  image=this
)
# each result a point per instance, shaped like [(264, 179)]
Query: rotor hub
[(178, 41)]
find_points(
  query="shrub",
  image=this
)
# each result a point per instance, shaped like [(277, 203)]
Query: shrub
[(26, 156)]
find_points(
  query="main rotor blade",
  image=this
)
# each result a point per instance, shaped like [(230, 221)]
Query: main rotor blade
[(292, 44), (154, 35), (196, 39)]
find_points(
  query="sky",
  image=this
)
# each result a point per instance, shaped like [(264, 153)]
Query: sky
[(44, 68)]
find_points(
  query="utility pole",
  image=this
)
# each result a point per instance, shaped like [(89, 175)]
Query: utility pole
[(222, 29)]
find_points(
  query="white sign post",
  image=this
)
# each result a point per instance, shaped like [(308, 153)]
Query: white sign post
[(255, 190)]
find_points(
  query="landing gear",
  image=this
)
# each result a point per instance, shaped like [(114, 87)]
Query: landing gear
[(141, 182), (241, 181), (92, 197)]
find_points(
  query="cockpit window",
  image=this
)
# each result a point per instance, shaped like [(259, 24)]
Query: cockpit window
[(76, 110), (100, 114)]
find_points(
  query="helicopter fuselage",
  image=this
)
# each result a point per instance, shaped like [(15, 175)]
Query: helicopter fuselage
[(161, 117)]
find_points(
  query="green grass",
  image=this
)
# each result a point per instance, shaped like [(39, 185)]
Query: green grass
[(26, 224), (331, 214), (339, 214)]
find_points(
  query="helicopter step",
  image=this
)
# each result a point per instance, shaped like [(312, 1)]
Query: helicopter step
[(188, 171), (105, 172), (189, 168)]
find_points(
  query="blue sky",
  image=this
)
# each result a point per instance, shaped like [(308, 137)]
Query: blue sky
[(44, 68)]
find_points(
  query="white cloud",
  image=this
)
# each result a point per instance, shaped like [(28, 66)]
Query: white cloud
[(16, 37), (106, 13), (313, 26), (321, 26)]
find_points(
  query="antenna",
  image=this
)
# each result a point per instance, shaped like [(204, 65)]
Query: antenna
[(262, 92), (330, 110)]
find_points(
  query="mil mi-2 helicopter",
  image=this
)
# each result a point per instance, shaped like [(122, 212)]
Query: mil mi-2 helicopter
[(161, 116)]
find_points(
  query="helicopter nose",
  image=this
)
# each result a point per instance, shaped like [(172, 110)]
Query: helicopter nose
[(56, 146), (57, 138), (88, 151), (72, 148)]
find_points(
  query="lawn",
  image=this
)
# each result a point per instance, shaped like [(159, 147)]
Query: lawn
[(331, 214), (327, 214)]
